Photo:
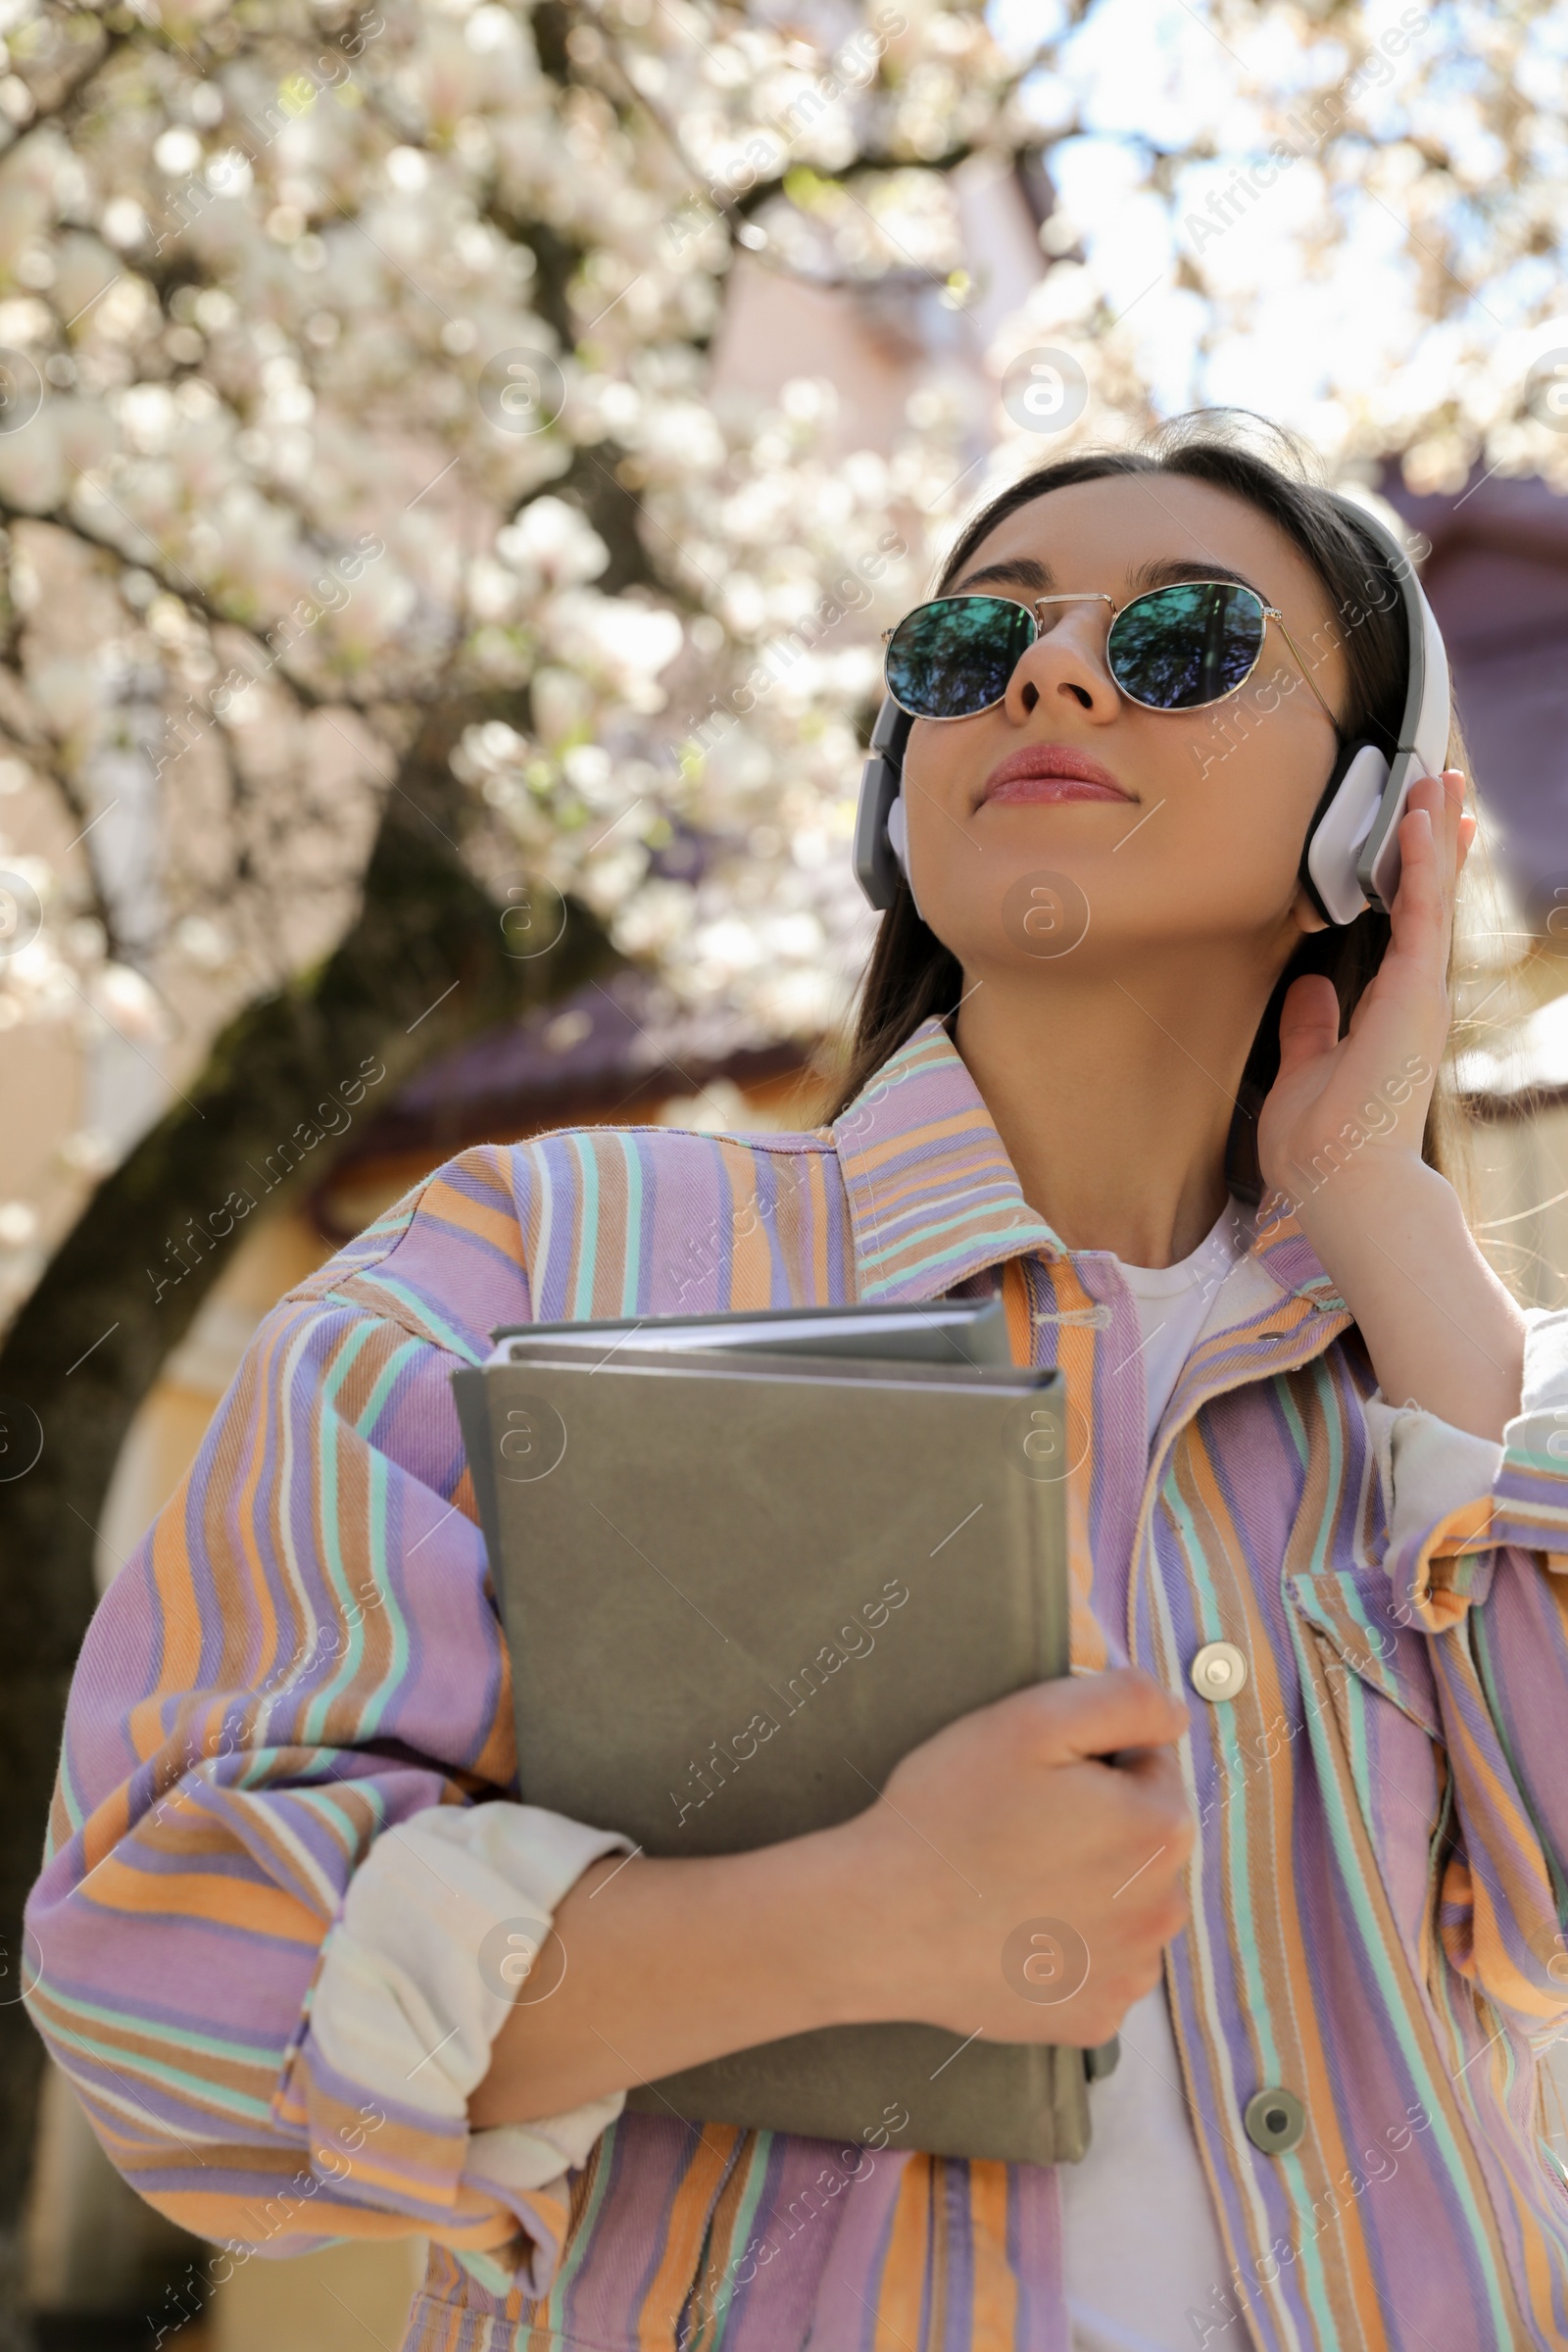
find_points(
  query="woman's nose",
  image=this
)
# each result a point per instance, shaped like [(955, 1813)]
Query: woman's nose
[(1065, 663)]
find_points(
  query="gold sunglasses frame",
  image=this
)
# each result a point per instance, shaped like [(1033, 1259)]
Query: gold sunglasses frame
[(1098, 596)]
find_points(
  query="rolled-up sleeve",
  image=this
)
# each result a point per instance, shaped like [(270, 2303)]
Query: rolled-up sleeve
[(287, 1899), (1478, 1560), (444, 1925)]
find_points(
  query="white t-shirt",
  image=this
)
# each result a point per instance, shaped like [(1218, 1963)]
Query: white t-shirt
[(1173, 1302), (1139, 2243)]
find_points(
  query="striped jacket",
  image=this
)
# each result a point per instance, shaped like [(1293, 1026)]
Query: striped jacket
[(293, 1707)]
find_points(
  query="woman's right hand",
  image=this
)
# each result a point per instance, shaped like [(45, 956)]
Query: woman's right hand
[(1014, 1881), (1004, 1853)]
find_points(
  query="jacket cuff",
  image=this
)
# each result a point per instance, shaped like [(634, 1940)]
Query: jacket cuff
[(439, 1926), (1454, 1500), (1532, 1494)]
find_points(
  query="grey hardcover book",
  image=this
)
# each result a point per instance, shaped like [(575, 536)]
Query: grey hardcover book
[(742, 1570)]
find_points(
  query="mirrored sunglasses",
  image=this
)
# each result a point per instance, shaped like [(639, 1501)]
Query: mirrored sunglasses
[(1171, 649)]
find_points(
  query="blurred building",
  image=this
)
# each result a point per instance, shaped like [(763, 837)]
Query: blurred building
[(1498, 580)]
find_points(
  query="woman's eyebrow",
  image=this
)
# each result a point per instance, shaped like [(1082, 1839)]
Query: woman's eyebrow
[(1160, 572), (1024, 571), (1165, 571)]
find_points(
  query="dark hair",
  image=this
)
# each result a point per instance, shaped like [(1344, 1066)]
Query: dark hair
[(912, 975)]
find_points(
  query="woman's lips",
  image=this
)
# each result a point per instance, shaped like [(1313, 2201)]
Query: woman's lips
[(1048, 771), (1054, 788)]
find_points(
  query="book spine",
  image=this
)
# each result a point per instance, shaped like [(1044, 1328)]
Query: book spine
[(1044, 1505)]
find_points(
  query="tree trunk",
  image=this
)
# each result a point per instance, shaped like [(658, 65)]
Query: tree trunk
[(424, 964)]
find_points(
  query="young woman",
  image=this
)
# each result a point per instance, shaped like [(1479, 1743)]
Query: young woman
[(1320, 1529)]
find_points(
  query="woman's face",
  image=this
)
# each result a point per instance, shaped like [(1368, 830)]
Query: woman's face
[(1193, 832)]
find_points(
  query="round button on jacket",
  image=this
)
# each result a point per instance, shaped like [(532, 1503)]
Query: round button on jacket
[(1218, 1671), (1274, 2121)]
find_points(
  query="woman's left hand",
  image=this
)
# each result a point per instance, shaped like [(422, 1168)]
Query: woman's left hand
[(1340, 1137), (1335, 1099)]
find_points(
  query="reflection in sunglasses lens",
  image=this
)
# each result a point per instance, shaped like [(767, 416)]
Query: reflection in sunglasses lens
[(1179, 648), (949, 659)]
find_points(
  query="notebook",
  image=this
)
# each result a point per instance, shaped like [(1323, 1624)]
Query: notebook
[(746, 1562)]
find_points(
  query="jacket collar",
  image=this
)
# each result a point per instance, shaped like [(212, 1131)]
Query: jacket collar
[(934, 1198)]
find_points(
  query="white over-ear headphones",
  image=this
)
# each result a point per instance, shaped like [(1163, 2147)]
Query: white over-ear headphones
[(1351, 858)]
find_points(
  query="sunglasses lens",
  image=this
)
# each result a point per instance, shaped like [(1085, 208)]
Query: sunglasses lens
[(953, 658), (1179, 648)]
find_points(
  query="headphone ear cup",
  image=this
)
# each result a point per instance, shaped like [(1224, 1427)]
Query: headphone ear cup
[(898, 836), (899, 844), (1341, 821), (876, 865)]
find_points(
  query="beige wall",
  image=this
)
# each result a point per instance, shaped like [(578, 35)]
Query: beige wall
[(345, 2299)]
